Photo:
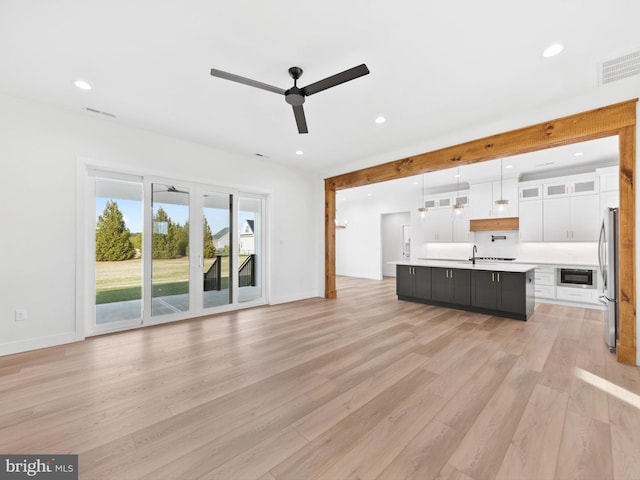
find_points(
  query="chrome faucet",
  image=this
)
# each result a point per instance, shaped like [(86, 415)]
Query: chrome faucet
[(473, 253)]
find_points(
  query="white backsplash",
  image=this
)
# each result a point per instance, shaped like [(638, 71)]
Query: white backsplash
[(585, 253)]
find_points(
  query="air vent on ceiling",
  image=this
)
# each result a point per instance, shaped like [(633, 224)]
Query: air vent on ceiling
[(94, 110), (619, 68)]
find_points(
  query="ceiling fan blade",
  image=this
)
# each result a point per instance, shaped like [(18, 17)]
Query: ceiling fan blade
[(336, 79), (246, 81), (298, 111)]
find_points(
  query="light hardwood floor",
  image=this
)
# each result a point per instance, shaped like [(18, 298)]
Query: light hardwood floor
[(362, 387)]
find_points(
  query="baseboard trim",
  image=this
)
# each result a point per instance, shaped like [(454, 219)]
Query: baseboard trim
[(292, 298), (21, 346), (367, 276)]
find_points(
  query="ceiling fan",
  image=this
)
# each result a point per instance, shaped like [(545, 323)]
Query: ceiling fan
[(295, 96)]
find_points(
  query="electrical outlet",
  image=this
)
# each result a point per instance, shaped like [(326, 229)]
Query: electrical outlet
[(20, 315)]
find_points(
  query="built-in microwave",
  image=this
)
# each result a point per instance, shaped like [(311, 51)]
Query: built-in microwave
[(577, 277)]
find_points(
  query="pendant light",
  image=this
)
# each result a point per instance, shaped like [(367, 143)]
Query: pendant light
[(502, 203), (458, 207), (422, 210)]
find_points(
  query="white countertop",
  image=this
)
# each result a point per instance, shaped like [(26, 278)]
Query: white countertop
[(467, 265), (525, 261)]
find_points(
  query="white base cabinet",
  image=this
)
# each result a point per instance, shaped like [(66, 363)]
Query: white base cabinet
[(581, 295)]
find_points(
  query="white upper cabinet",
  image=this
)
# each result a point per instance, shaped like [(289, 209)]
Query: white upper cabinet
[(530, 192), (571, 209), (571, 218), (531, 227), (441, 224), (484, 196), (443, 200), (609, 179), (438, 226), (578, 185)]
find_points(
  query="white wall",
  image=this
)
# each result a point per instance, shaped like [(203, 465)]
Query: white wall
[(359, 246), (582, 253), (39, 150)]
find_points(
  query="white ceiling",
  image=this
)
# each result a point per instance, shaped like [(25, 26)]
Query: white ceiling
[(435, 66)]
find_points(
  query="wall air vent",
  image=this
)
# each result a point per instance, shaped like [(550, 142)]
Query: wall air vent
[(94, 110), (619, 68)]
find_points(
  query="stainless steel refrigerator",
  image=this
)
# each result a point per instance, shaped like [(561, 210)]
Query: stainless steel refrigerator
[(608, 259)]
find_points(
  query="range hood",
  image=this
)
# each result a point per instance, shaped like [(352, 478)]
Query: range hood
[(494, 224)]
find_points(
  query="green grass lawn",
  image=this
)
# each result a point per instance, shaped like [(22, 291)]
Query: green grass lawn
[(122, 281)]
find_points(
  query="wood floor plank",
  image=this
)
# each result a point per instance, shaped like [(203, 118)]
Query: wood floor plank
[(536, 352), (462, 410), (624, 408), (321, 453), (256, 461), (323, 418), (585, 450), (559, 368), (533, 452), (425, 456), (461, 370), (369, 457), (450, 473), (481, 451), (215, 453)]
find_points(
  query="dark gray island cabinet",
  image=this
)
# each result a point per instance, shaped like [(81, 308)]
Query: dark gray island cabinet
[(490, 289), (451, 285)]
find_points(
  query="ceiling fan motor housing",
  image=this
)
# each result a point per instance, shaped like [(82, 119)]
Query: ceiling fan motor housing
[(294, 96)]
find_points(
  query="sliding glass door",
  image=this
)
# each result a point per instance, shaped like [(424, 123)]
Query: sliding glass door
[(170, 249), (217, 258), (167, 250), (117, 252), (250, 248)]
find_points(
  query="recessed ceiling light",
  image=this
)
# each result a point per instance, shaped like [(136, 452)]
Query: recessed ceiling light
[(508, 166), (82, 84), (369, 194), (578, 154), (415, 183), (380, 119), (299, 152), (457, 175), (553, 50)]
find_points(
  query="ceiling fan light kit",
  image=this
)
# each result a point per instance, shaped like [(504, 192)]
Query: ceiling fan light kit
[(296, 96)]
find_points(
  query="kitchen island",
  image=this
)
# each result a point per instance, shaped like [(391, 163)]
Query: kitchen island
[(502, 289)]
